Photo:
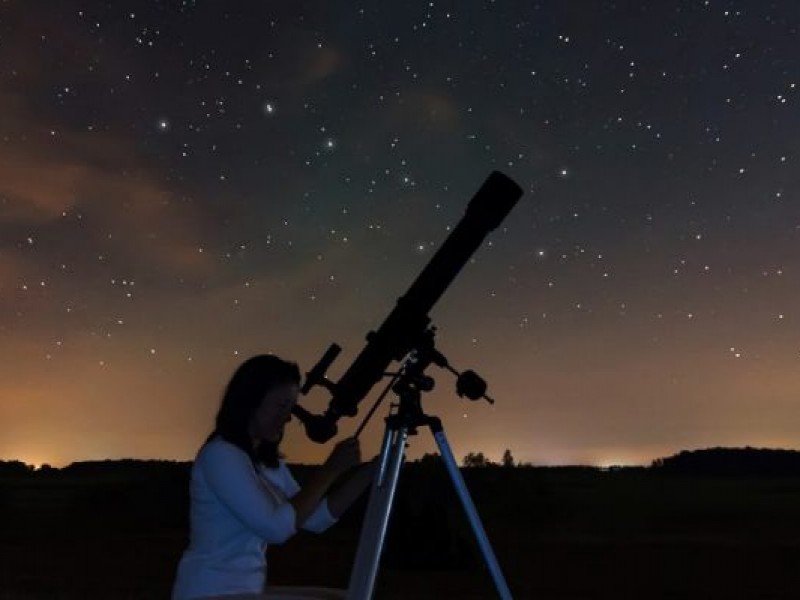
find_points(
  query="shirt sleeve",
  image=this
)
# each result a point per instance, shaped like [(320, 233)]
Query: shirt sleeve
[(232, 477), (321, 518)]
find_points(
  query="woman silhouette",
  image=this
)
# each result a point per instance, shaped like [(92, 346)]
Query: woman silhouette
[(243, 496)]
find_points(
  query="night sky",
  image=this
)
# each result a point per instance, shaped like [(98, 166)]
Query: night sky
[(186, 184)]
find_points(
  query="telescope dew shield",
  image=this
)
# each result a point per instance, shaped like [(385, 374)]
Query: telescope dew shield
[(409, 319)]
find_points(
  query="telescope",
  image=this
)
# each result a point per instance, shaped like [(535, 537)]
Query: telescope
[(408, 325)]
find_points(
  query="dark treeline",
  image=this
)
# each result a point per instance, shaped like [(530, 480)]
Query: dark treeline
[(94, 468), (710, 461), (731, 461), (11, 468), (127, 465)]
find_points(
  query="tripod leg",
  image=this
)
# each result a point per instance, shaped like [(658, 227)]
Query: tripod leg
[(472, 513), (376, 520)]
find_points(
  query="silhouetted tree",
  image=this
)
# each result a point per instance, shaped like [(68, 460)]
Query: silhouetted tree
[(429, 458), (476, 459), (14, 467), (507, 460)]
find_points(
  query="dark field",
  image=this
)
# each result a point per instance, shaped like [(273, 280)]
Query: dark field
[(558, 534)]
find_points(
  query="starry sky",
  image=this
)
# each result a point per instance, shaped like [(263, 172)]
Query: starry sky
[(186, 184)]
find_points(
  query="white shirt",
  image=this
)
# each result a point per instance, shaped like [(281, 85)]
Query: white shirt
[(236, 511)]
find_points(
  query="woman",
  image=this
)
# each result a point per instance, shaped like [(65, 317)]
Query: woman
[(243, 496)]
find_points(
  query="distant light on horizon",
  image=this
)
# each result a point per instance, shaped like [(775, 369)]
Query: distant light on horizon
[(607, 463)]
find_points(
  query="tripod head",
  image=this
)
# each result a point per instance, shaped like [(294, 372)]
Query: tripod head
[(407, 324), (412, 381)]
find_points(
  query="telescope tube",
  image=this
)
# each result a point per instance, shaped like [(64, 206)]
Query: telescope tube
[(409, 319)]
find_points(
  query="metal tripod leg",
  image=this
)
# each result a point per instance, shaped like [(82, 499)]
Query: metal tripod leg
[(376, 520), (472, 513)]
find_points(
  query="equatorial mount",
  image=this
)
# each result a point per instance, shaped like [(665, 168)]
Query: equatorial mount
[(408, 384)]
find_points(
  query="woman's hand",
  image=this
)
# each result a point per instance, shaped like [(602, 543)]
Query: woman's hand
[(345, 455), (355, 484)]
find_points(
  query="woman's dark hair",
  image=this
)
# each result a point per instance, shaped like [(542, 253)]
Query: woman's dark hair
[(254, 378)]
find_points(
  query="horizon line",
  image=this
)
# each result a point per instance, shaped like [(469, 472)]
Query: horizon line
[(604, 465)]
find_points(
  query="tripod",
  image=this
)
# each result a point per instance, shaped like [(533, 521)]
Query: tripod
[(410, 383)]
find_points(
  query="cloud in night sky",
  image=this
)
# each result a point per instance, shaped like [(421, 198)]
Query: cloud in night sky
[(159, 224)]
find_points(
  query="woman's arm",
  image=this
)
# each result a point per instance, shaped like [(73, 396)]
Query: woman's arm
[(341, 498), (312, 493), (229, 474), (344, 455)]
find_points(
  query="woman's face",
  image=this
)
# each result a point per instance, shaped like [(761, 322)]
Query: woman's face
[(273, 413)]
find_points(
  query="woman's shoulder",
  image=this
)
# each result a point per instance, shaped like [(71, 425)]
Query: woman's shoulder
[(218, 448)]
